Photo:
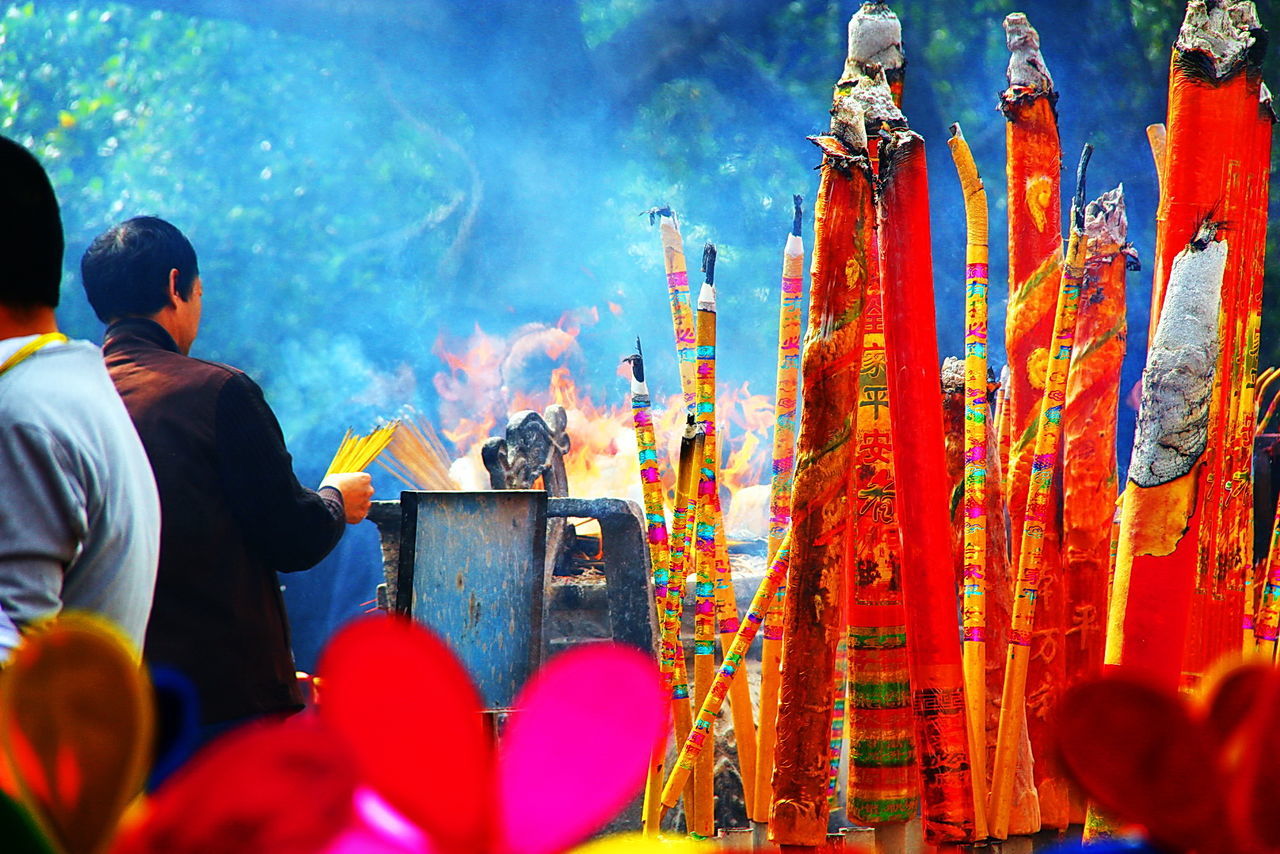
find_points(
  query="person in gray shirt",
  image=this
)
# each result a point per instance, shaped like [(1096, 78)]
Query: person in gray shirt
[(79, 512)]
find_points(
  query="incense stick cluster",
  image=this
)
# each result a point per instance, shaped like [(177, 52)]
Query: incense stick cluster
[(357, 453), (416, 457), (911, 623)]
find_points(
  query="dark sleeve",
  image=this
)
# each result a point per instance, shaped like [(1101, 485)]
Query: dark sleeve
[(287, 525)]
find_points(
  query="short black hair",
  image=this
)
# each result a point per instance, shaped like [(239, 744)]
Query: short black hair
[(126, 268), (30, 231)]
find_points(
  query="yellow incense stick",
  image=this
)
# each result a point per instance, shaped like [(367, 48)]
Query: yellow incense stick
[(975, 466), (357, 453)]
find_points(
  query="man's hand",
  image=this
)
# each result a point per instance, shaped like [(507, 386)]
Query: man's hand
[(356, 490)]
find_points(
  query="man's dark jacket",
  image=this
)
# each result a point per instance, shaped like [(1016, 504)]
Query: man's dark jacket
[(232, 515)]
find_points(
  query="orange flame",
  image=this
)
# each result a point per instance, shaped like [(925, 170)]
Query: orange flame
[(477, 397)]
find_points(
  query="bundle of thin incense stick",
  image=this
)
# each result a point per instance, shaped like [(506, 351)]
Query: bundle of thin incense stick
[(416, 457), (356, 453)]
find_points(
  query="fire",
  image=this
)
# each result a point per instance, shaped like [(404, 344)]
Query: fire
[(478, 391)]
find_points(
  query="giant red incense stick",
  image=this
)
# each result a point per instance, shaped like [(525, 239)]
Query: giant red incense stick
[(1035, 260), (1090, 485), (844, 219), (1155, 570), (1214, 93), (883, 790), (922, 497)]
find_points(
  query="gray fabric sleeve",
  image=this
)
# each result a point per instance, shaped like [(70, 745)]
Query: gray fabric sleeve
[(43, 522)]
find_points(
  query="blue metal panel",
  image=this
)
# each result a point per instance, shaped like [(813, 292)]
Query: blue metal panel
[(473, 562)]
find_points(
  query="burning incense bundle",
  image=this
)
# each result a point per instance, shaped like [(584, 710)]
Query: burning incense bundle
[(844, 221), (678, 293), (1155, 570), (784, 435), (357, 453), (1090, 485), (975, 450), (922, 497), (696, 743), (1035, 261), (1031, 555), (416, 457)]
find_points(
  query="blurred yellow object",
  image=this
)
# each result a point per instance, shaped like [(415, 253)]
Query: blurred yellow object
[(635, 843), (76, 728)]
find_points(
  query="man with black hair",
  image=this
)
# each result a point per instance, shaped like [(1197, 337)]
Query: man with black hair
[(234, 513), (79, 515)]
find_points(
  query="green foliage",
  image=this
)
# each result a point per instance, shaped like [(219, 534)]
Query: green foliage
[(281, 178)]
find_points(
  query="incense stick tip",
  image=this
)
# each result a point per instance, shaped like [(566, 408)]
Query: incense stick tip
[(1218, 37), (707, 297), (956, 132), (1105, 220), (656, 213), (1077, 204), (849, 123), (875, 38), (709, 262), (1027, 67), (952, 375), (797, 202)]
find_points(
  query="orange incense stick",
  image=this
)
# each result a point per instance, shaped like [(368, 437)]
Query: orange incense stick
[(844, 220), (1090, 482), (682, 528), (784, 433), (922, 497), (659, 559), (726, 606), (1031, 555), (705, 558)]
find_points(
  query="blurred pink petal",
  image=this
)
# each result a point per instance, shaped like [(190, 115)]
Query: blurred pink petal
[(408, 711), (576, 749), (379, 829)]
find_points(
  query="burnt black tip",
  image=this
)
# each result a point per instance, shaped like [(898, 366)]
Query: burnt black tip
[(709, 263), (654, 213), (798, 202), (636, 363), (1077, 205)]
